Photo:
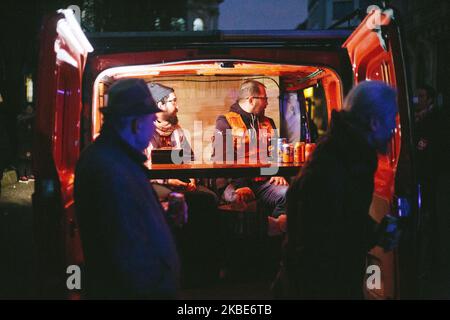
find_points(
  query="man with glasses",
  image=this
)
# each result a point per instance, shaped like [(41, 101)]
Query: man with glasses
[(199, 237), (246, 120)]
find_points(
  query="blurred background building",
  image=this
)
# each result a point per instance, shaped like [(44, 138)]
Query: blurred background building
[(427, 31), (427, 34), (20, 23)]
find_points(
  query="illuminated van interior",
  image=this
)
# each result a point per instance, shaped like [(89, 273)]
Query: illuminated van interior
[(206, 89)]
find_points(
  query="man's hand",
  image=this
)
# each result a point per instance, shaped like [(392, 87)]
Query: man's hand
[(278, 181), (244, 195), (177, 183), (192, 185)]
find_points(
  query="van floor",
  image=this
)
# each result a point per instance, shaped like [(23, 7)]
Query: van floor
[(246, 273)]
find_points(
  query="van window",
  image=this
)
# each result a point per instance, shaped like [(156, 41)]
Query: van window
[(304, 114)]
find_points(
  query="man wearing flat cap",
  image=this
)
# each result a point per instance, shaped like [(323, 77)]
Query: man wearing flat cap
[(128, 247)]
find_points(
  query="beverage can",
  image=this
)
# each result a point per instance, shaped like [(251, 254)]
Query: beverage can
[(280, 143), (299, 152), (291, 152), (288, 153)]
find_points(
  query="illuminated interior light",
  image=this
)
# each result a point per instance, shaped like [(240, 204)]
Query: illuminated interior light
[(136, 74), (308, 92)]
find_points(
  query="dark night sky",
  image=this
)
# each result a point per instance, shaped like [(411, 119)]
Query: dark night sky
[(262, 14)]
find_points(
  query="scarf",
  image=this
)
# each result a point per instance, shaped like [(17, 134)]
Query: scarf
[(165, 128)]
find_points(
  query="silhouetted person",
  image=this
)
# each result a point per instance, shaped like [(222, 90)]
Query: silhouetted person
[(25, 139), (433, 155), (128, 247), (329, 228), (425, 122), (440, 149)]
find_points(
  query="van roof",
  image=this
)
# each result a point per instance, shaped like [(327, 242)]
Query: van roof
[(109, 42)]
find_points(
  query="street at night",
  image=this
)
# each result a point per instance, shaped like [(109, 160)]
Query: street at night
[(16, 249), (224, 150)]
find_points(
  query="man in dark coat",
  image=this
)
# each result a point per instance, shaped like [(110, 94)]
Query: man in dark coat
[(329, 227), (128, 247)]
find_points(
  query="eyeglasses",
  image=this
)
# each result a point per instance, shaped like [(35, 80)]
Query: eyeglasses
[(173, 101)]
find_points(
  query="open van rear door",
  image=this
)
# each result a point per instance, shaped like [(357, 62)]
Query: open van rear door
[(376, 53), (62, 58)]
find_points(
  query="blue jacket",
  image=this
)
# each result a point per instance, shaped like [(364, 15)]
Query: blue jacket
[(129, 250)]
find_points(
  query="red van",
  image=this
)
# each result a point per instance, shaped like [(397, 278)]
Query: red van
[(206, 68)]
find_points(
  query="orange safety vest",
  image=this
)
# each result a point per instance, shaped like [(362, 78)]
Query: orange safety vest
[(239, 129)]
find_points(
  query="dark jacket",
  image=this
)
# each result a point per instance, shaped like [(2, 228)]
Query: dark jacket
[(329, 227), (129, 250)]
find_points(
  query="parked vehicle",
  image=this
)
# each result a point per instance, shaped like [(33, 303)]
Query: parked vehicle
[(75, 71)]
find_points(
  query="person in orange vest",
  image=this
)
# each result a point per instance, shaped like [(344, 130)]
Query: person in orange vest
[(246, 121)]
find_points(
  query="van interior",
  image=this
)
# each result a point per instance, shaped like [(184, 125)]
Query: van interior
[(206, 89), (306, 73)]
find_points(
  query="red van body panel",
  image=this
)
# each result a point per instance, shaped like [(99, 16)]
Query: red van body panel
[(56, 150)]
